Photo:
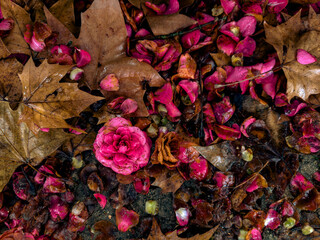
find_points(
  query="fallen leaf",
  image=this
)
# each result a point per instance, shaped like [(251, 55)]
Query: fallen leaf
[(48, 102), (10, 85), (304, 2), (302, 80), (106, 43), (166, 24), (15, 42), (156, 234), (219, 155), (103, 114), (19, 146), (4, 52), (67, 15), (168, 180)]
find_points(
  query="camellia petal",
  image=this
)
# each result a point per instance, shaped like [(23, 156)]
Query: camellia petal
[(191, 88), (102, 200), (126, 219), (303, 57), (272, 220), (247, 46), (226, 44), (129, 106), (110, 83), (247, 25), (227, 133), (190, 39), (228, 5)]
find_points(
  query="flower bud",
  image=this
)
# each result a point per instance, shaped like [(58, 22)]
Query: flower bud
[(289, 223), (307, 230), (76, 74), (152, 207)]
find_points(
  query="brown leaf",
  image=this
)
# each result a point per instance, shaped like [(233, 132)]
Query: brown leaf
[(103, 114), (304, 2), (4, 52), (156, 234), (166, 24), (302, 80), (10, 85), (219, 155), (63, 10), (19, 146), (103, 34), (14, 41), (168, 180), (48, 102)]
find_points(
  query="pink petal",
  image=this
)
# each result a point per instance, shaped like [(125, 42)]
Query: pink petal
[(129, 30), (252, 8), (281, 100), (173, 7), (183, 215), (129, 106), (287, 209), (58, 209), (223, 110), (173, 111), (301, 183), (227, 133), (254, 234), (126, 219), (191, 88), (54, 185), (226, 44), (142, 185), (276, 6), (110, 83), (81, 57), (159, 9), (316, 176), (190, 39), (247, 25), (294, 108), (37, 46), (142, 33), (246, 123), (76, 74), (102, 200), (164, 95), (247, 46), (232, 30), (199, 169), (228, 5), (303, 57), (6, 24), (272, 220)]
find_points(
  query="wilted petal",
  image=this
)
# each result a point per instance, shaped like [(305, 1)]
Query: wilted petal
[(116, 103), (54, 185), (246, 123), (281, 100), (76, 74), (223, 180), (173, 111), (287, 209), (159, 9), (252, 8), (254, 234), (129, 30), (226, 44), (126, 219), (81, 57), (164, 95), (303, 57), (199, 169), (173, 7), (258, 182), (247, 25), (142, 184), (272, 220), (191, 88), (37, 45), (190, 39), (223, 110), (232, 30), (187, 67), (294, 108), (247, 46), (301, 183), (183, 215), (110, 83), (276, 6), (129, 106), (58, 209), (228, 5), (102, 200), (227, 133), (142, 33)]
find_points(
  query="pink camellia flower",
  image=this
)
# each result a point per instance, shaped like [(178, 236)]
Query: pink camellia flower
[(126, 219), (122, 147), (303, 57)]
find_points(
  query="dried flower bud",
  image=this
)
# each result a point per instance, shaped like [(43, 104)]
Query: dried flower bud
[(152, 207), (76, 74), (183, 215), (307, 230), (152, 130), (110, 83), (289, 223), (246, 154)]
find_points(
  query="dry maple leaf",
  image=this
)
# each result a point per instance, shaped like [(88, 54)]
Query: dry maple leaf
[(47, 101), (168, 180), (294, 34), (15, 42), (18, 145), (103, 34), (156, 234)]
